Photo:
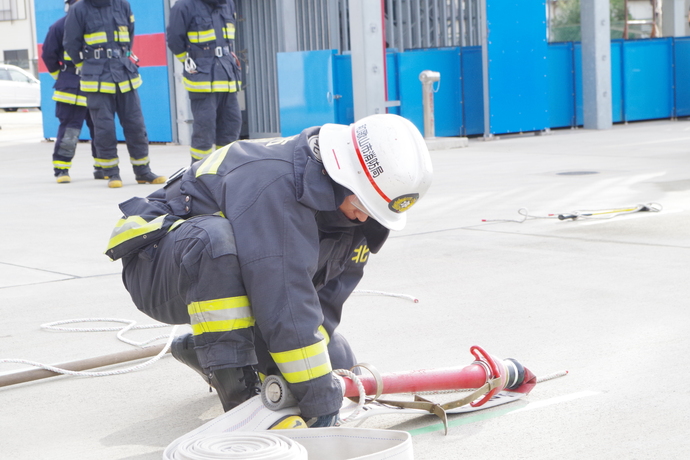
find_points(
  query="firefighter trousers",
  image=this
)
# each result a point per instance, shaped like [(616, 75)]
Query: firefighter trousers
[(71, 119), (217, 120), (127, 106), (192, 276)]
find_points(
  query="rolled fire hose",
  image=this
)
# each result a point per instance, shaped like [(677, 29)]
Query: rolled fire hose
[(252, 417)]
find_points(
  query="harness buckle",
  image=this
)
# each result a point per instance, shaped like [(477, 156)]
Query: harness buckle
[(97, 53), (109, 53), (219, 51)]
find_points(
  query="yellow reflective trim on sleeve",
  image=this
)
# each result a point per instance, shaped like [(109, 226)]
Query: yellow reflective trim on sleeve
[(229, 31), (304, 364), (131, 18), (131, 227), (182, 56), (222, 326), (96, 37), (213, 162), (55, 74)]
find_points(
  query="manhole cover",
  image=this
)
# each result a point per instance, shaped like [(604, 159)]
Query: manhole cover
[(576, 173)]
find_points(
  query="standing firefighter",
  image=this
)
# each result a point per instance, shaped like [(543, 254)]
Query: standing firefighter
[(201, 34), (70, 102), (98, 38), (259, 246)]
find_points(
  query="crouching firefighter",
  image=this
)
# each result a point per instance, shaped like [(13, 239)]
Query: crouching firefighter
[(259, 245), (70, 102)]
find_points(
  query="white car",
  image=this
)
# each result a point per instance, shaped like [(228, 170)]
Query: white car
[(18, 89)]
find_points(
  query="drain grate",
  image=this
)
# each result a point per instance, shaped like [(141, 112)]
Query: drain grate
[(576, 173)]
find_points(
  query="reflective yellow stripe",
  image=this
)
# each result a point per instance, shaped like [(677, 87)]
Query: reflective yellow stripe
[(107, 87), (201, 36), (62, 164), (96, 37), (222, 86), (67, 98), (213, 162), (125, 86), (325, 335), (182, 56), (199, 154), (139, 162), (65, 56), (220, 315), (122, 35), (197, 86), (229, 31), (131, 227), (55, 74), (102, 163), (303, 364), (137, 81), (88, 86)]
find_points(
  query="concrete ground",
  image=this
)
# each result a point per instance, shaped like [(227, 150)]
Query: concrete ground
[(606, 300)]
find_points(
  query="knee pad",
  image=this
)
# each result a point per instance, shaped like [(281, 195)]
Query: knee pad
[(68, 143)]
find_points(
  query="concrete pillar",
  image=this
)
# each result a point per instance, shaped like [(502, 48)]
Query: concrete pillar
[(368, 51), (675, 17), (287, 25), (596, 64)]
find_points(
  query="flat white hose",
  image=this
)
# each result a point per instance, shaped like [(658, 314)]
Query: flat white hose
[(245, 445)]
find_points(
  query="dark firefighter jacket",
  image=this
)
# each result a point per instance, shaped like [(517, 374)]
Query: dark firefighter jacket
[(98, 38), (201, 34), (61, 67), (300, 257)]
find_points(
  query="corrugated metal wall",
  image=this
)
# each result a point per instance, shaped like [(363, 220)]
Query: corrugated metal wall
[(323, 24)]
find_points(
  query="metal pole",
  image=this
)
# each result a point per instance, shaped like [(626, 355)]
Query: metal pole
[(428, 77), (81, 365)]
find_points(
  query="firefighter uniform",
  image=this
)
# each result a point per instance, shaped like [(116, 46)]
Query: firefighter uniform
[(250, 248), (98, 38), (201, 34), (70, 106)]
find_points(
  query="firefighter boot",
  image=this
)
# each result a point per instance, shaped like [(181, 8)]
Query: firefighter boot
[(234, 385), (62, 177), (115, 181), (182, 349), (150, 178)]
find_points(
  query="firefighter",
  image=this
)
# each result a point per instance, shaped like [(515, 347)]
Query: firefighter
[(201, 34), (70, 102), (259, 245), (98, 38)]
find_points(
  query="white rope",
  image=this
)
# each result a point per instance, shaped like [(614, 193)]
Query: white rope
[(131, 325), (360, 388), (389, 294)]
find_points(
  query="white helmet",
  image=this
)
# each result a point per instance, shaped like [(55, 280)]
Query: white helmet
[(383, 160)]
